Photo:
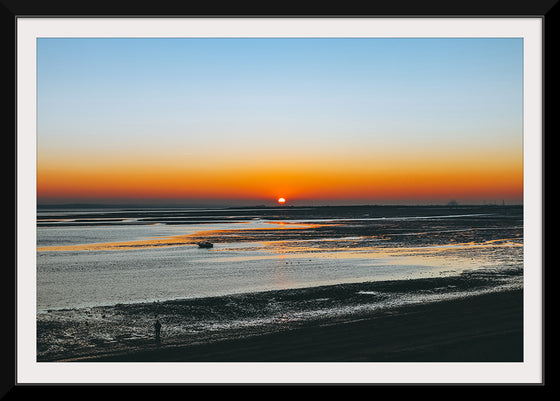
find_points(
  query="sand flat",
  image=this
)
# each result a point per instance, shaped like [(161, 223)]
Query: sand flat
[(478, 328)]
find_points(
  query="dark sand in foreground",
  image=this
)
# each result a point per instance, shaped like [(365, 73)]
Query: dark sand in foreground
[(481, 328)]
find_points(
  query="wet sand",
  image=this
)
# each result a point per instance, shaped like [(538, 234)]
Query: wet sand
[(474, 326), (478, 328)]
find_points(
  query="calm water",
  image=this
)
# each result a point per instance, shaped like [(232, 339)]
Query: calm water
[(260, 249)]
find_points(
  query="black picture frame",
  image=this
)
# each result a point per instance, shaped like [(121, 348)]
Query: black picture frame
[(13, 9)]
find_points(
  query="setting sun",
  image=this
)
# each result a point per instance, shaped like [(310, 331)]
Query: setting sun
[(281, 201)]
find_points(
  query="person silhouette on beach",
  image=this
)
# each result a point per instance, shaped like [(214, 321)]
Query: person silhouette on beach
[(157, 326)]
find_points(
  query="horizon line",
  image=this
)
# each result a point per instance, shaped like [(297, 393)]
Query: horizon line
[(260, 205)]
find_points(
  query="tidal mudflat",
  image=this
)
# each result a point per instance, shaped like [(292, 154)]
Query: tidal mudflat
[(363, 283)]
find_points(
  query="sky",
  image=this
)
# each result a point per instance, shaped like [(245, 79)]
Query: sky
[(249, 120)]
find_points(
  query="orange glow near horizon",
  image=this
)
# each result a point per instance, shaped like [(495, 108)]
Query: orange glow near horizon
[(474, 176)]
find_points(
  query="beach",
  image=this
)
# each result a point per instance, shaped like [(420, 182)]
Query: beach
[(471, 327), (483, 328), (359, 284)]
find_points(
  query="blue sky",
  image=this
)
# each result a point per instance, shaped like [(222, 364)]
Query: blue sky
[(107, 87)]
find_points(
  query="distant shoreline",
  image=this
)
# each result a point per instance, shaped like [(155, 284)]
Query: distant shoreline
[(256, 206)]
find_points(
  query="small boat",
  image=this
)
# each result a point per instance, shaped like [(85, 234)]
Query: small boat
[(205, 245)]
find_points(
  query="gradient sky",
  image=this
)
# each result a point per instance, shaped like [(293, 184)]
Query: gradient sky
[(317, 121)]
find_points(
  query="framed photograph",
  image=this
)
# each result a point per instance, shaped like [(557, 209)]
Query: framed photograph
[(279, 199)]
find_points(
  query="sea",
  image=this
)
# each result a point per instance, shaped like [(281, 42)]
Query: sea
[(92, 260)]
